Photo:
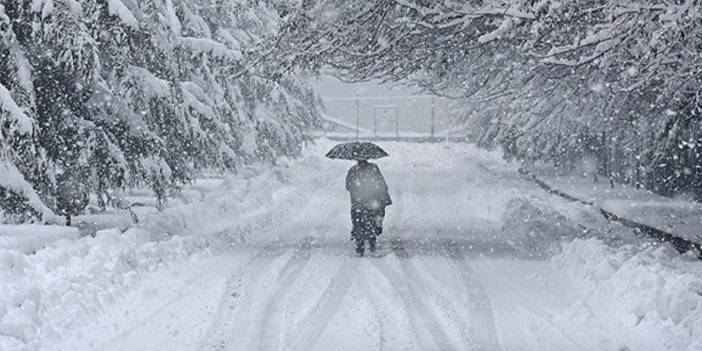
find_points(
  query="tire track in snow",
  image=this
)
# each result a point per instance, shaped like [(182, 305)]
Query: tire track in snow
[(479, 305), (369, 291), (272, 324), (447, 306), (532, 317), (155, 315), (420, 313), (315, 322), (548, 322), (224, 321), (241, 316), (487, 337)]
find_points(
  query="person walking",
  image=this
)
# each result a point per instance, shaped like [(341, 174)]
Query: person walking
[(367, 189), (369, 197)]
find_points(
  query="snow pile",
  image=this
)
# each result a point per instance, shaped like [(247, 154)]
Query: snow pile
[(533, 229), (90, 224), (653, 291), (29, 238), (255, 199), (222, 213), (46, 294)]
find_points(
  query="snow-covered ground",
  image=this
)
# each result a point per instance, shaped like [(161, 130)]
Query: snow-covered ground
[(679, 217), (473, 258), (29, 238)]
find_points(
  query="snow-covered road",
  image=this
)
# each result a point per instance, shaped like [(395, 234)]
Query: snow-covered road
[(453, 272)]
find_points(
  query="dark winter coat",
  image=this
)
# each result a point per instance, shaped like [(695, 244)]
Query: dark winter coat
[(367, 187)]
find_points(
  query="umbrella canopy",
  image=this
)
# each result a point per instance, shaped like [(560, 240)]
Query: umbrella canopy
[(357, 151)]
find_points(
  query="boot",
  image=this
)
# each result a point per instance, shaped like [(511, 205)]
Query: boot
[(360, 248), (372, 243)]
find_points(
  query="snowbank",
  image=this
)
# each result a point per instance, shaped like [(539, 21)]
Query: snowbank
[(532, 230), (30, 238), (89, 224), (622, 281), (46, 294), (658, 291), (632, 283)]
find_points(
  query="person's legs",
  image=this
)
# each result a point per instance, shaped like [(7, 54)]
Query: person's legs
[(355, 223), (365, 227), (372, 243), (360, 246), (379, 216), (358, 220)]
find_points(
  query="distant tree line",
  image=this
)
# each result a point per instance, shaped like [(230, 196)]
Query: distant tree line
[(617, 81), (102, 95)]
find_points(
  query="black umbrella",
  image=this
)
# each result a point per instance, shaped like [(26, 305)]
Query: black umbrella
[(357, 150)]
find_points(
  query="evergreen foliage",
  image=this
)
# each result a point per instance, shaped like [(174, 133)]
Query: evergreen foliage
[(112, 94)]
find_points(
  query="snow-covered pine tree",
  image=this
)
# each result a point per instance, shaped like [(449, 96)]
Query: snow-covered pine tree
[(23, 163), (112, 94)]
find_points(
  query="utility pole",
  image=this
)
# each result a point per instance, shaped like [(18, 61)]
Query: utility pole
[(358, 114), (375, 125), (433, 118)]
